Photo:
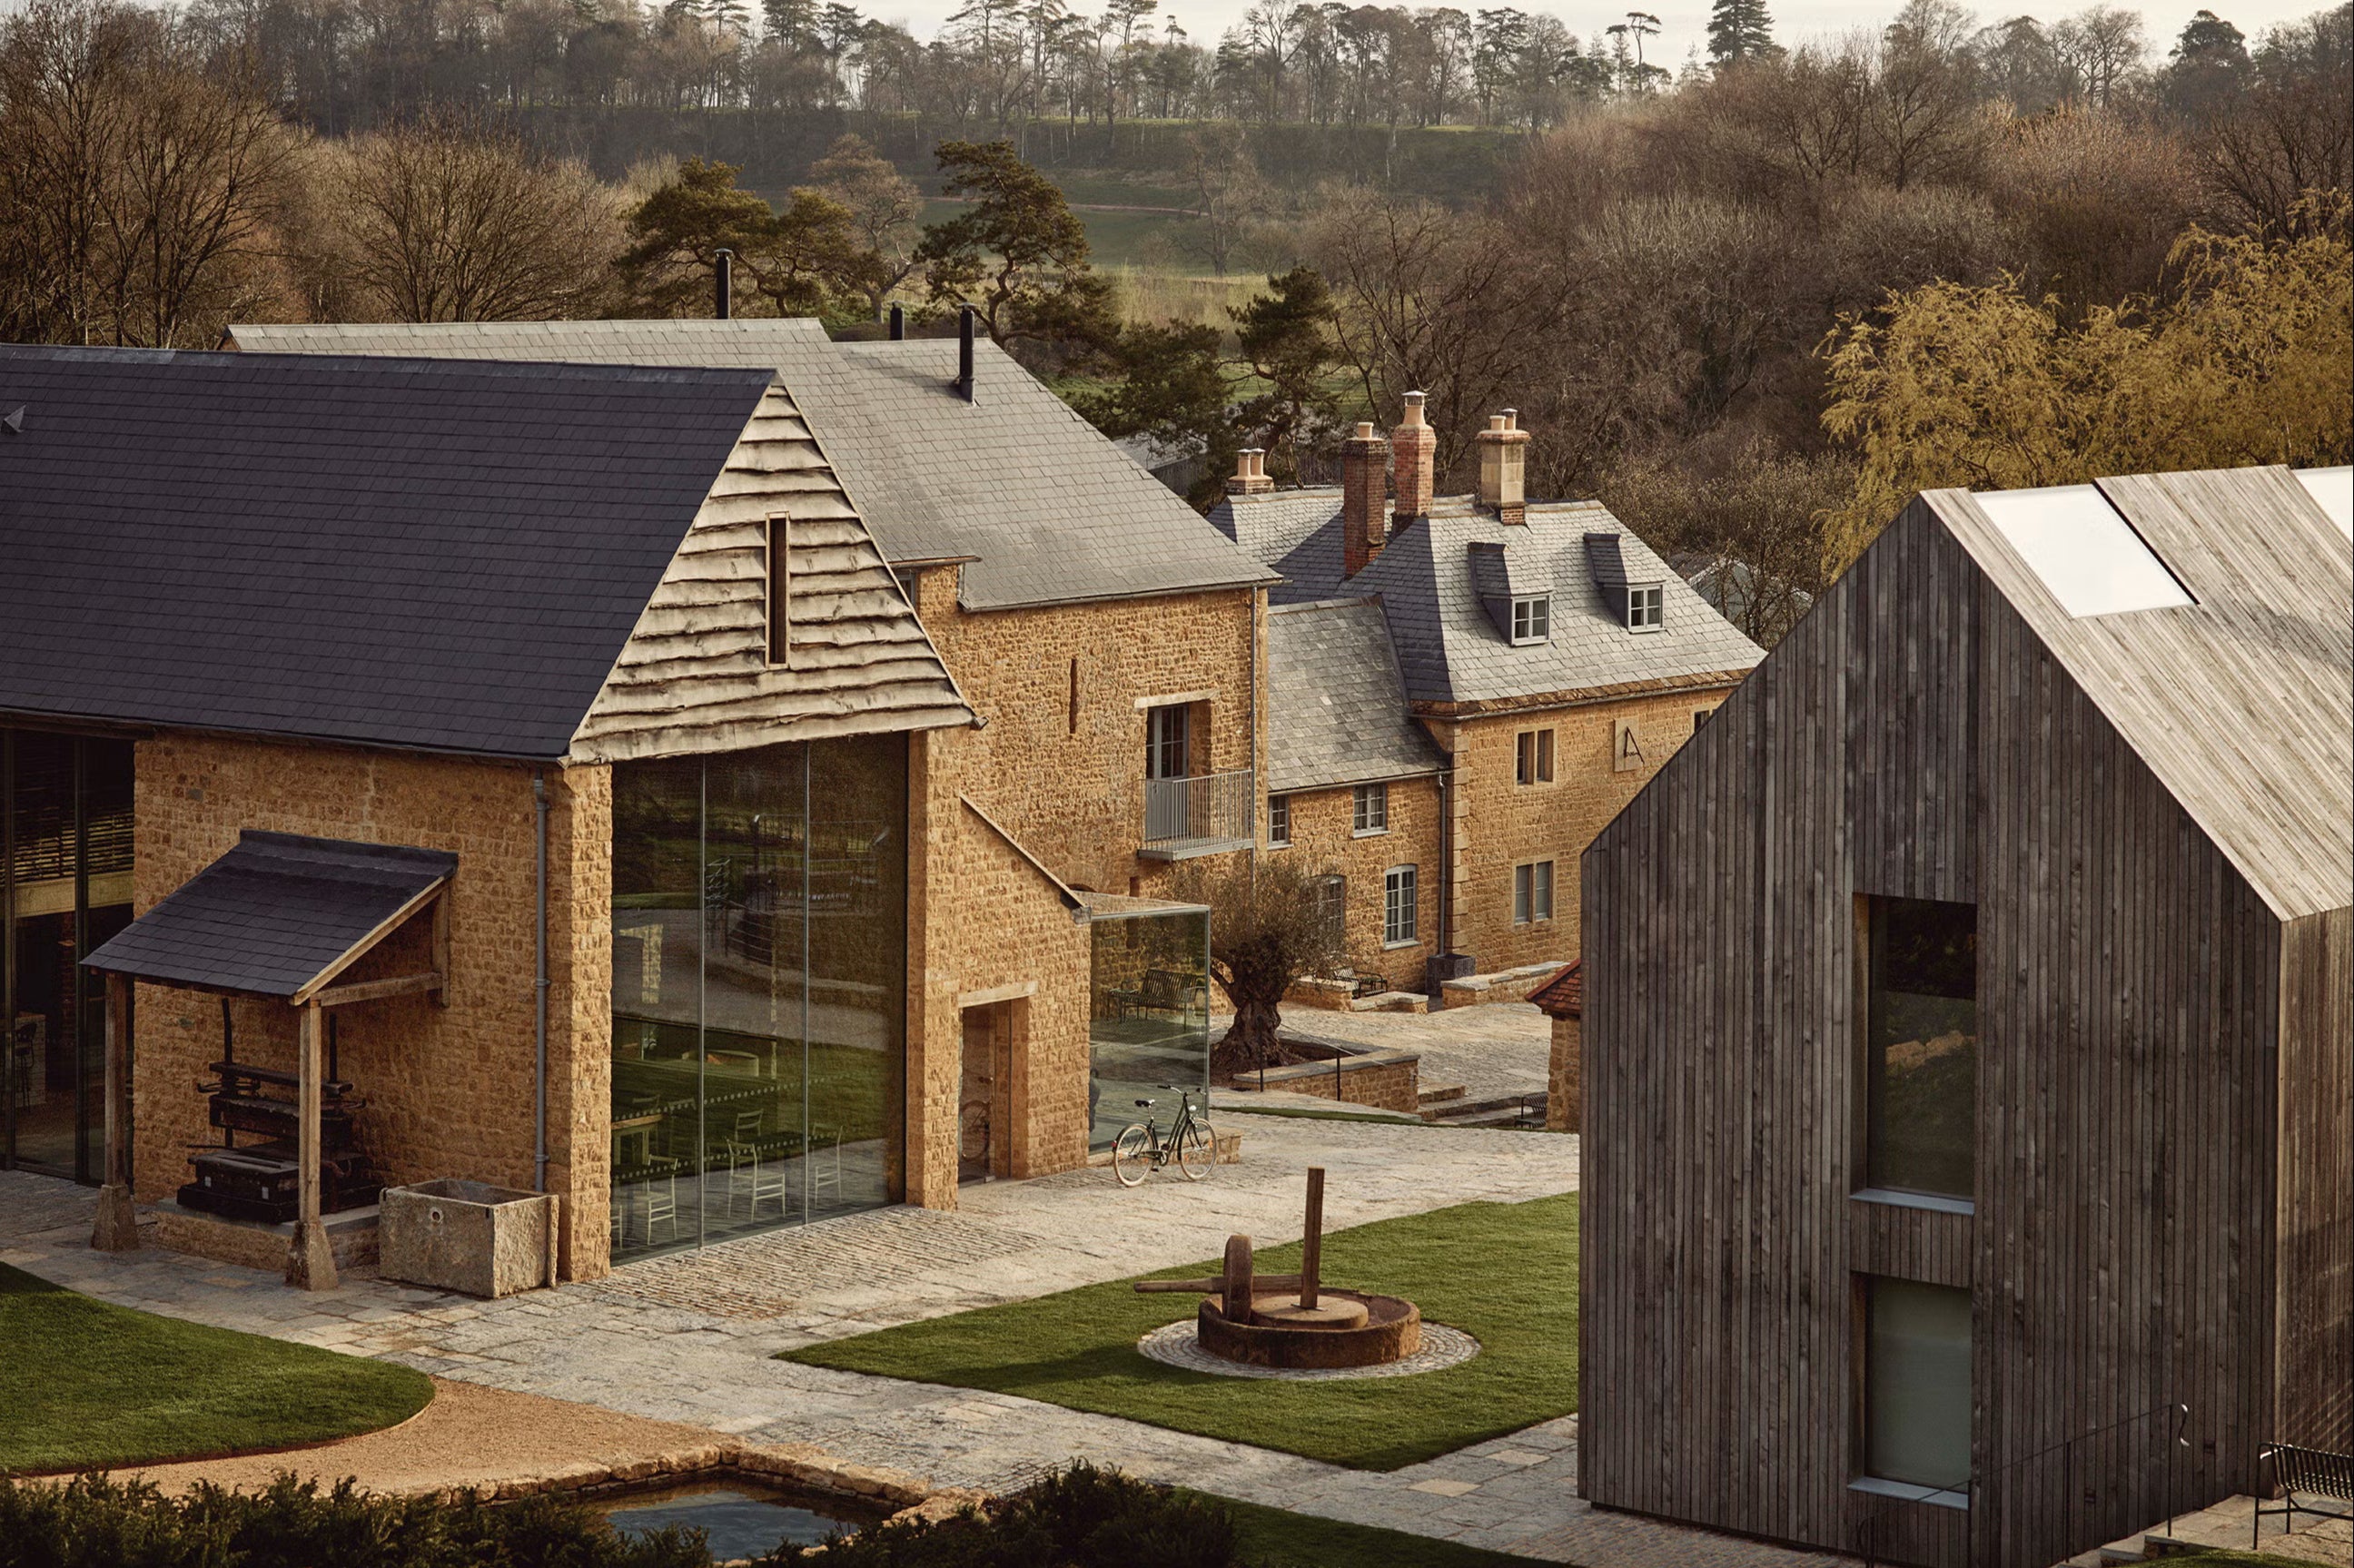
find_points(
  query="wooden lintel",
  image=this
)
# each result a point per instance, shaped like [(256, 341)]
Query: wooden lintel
[(441, 946), (359, 950), (374, 990)]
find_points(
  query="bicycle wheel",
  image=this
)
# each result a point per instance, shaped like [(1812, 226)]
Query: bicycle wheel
[(1131, 1154), (1197, 1151)]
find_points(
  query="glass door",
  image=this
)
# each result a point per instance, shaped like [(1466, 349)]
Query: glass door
[(65, 888)]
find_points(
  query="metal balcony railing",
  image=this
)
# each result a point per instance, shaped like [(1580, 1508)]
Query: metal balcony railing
[(1200, 815)]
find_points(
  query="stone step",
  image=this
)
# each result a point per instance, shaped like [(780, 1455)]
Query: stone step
[(1510, 1111), (1391, 1001), (1443, 1093)]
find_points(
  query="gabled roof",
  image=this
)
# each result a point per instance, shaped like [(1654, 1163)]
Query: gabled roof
[(2241, 703), (277, 916), (1436, 573), (1042, 507), (1564, 996), (446, 557), (1337, 712)]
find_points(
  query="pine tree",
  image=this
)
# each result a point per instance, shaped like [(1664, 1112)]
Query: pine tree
[(1739, 30)]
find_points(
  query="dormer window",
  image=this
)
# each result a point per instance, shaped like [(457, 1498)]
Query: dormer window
[(1532, 619), (1643, 607)]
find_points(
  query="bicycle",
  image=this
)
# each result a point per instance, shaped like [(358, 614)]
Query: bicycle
[(1138, 1151)]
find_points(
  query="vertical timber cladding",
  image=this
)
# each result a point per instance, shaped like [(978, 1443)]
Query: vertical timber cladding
[(1913, 737), (2315, 1353)]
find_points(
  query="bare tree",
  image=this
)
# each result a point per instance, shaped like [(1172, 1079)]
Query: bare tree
[(884, 207), (1226, 181), (448, 220)]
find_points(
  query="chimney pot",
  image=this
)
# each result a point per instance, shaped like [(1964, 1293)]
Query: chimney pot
[(1365, 500), (1414, 452), (1503, 466), (1251, 473)]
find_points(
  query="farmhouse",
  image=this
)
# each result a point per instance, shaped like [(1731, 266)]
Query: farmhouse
[(1968, 1052), (1465, 689)]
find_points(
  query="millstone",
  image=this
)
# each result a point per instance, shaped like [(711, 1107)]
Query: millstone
[(1285, 1311)]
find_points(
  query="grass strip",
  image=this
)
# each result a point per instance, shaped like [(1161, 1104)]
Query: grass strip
[(87, 1384), (1504, 1273)]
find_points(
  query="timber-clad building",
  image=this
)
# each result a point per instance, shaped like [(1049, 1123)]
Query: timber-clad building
[(1968, 1056)]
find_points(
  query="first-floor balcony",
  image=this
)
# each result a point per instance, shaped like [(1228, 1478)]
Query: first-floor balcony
[(1208, 813)]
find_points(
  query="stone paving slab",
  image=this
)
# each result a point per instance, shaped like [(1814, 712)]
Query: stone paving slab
[(689, 1338)]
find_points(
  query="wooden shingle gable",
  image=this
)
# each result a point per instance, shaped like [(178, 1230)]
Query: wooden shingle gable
[(694, 677)]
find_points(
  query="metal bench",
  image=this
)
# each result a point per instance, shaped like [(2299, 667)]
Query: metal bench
[(2316, 1473)]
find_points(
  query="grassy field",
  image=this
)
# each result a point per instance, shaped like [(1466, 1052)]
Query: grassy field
[(1504, 1273), (1272, 1538), (86, 1384)]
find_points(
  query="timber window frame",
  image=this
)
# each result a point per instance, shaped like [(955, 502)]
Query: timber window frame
[(1399, 894), (1369, 811), (775, 590), (1646, 607), (1532, 756), (1533, 892), (1279, 822)]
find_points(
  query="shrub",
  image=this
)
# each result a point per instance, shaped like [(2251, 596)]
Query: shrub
[(1079, 1518)]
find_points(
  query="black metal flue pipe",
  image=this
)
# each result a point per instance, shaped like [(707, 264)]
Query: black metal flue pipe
[(723, 283)]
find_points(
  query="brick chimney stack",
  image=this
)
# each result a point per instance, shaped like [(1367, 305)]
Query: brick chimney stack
[(1414, 451), (1504, 466), (1364, 498), (1249, 477)]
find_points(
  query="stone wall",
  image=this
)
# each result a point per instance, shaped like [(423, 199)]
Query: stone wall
[(450, 1089), (1379, 1079), (988, 926), (1322, 840), (1501, 824), (1565, 1083), (1060, 763)]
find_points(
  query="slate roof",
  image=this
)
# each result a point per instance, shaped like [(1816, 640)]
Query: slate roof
[(273, 915), (1337, 712), (417, 553), (1450, 648), (1046, 509), (2242, 702)]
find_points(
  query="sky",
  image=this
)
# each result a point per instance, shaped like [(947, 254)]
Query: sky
[(1684, 28)]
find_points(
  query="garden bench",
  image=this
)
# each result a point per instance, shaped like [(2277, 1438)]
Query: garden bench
[(2316, 1473)]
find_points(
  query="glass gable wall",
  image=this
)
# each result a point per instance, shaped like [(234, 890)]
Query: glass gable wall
[(1149, 1018), (759, 987), (65, 887)]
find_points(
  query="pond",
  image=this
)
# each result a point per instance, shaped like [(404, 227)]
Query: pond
[(737, 1521)]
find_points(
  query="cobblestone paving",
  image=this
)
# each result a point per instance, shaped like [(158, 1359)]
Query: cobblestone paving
[(647, 1342)]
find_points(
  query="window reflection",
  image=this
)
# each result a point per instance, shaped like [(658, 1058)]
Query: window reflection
[(759, 936), (1922, 1047), (1149, 1018)]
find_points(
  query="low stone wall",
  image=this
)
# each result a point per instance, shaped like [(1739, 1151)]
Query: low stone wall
[(1503, 985), (1379, 1079), (1565, 1101), (1327, 995), (351, 1236)]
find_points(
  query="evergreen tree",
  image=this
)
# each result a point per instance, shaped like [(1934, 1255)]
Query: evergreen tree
[(1739, 30)]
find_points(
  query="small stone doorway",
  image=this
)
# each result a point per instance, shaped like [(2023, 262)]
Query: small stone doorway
[(981, 1129)]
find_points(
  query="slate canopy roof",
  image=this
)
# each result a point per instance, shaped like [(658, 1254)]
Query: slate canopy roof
[(277, 916)]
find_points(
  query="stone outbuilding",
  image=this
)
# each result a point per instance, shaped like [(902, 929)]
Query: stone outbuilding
[(1563, 1000)]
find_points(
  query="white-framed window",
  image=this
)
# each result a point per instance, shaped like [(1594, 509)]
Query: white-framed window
[(1533, 761), (1168, 738), (1532, 619), (1398, 906), (1371, 810), (1531, 892), (776, 576), (1699, 718), (1643, 607), (1279, 820)]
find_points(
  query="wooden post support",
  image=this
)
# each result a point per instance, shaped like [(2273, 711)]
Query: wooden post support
[(1311, 1240), (309, 1261), (118, 1221)]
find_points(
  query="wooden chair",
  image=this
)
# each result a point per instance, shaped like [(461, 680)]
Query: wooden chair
[(824, 1163)]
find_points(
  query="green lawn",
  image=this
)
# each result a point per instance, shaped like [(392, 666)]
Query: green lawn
[(1271, 1538), (86, 1384), (1505, 1273)]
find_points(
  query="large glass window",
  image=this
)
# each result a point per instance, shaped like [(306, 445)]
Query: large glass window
[(1150, 1022), (1916, 1383), (1921, 1047), (65, 888), (759, 962)]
